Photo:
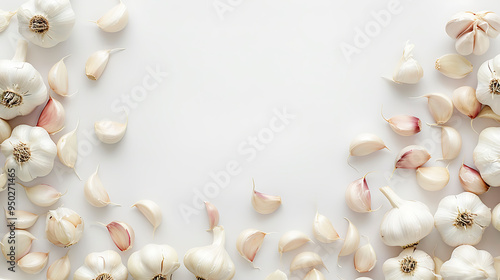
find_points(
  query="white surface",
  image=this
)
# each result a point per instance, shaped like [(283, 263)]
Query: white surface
[(226, 76)]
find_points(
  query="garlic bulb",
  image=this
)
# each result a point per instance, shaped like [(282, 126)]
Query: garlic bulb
[(323, 229), (454, 66), (351, 241), (21, 88), (33, 263), (404, 125), (64, 227), (365, 258), (464, 99), (365, 144), (461, 219), (292, 240), (42, 195), (433, 178), (23, 239), (122, 234), (46, 23), (410, 264), (58, 78), (23, 219), (211, 262), (358, 197), (440, 107), (60, 269), (495, 217), (265, 203), (277, 275), (5, 18), (306, 260), (115, 19), (412, 157), (314, 274), (5, 130), (468, 263), (486, 153), (406, 223), (488, 84), (153, 262), (249, 242), (213, 215), (110, 132), (105, 265), (67, 148), (408, 70), (94, 191), (97, 62), (471, 180), (52, 117), (151, 211)]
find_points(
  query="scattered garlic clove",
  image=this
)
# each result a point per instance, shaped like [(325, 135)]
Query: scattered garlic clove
[(440, 107), (453, 66), (264, 203), (110, 132), (471, 180), (364, 144), (323, 229), (213, 215), (122, 234), (433, 178), (404, 125), (5, 18), (365, 258), (23, 219), (451, 142), (97, 62), (42, 195), (408, 70), (58, 78), (60, 269), (351, 241), (487, 113), (358, 197), (277, 275), (464, 99), (33, 263), (115, 19), (151, 211), (306, 260), (412, 157), (5, 130), (24, 239), (314, 274), (95, 193), (52, 117), (249, 242), (67, 148), (292, 240)]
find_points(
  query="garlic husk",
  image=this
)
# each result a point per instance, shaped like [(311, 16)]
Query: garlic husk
[(440, 107), (364, 144), (453, 66), (358, 197), (351, 240), (58, 78), (408, 70), (115, 19), (365, 258), (67, 148), (306, 260), (5, 18), (153, 262), (122, 235), (495, 217), (433, 178), (488, 84), (33, 263), (213, 215), (487, 113), (467, 263), (464, 99), (292, 240), (323, 229), (24, 239), (406, 223), (5, 130), (94, 191), (97, 62), (405, 125), (461, 219), (451, 142), (277, 275), (42, 195), (314, 274), (151, 211), (249, 242), (52, 117), (64, 227), (23, 219), (110, 132), (471, 180), (59, 269), (265, 203), (211, 262), (486, 154), (412, 157), (105, 265), (410, 264)]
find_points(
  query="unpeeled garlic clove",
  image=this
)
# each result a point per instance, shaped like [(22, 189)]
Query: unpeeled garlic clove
[(314, 274), (292, 240), (151, 211), (358, 197), (5, 130), (277, 275), (471, 180), (122, 234), (42, 195), (487, 113), (94, 191), (115, 19), (464, 99), (110, 132), (405, 125), (97, 62), (67, 148), (440, 107), (433, 178), (365, 258), (213, 215), (24, 239), (412, 157), (265, 203), (453, 66), (306, 260), (408, 70), (60, 269), (364, 144), (23, 219), (52, 117), (249, 242), (5, 18), (451, 142), (58, 78), (323, 229), (33, 263), (351, 241)]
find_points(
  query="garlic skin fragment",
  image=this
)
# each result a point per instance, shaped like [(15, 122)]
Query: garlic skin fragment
[(24, 219), (485, 155), (488, 84), (52, 117), (406, 223), (58, 78), (408, 70), (115, 19), (440, 107), (412, 157), (471, 180), (64, 227), (265, 203), (410, 264), (454, 66), (5, 130), (405, 125), (33, 263), (67, 148), (464, 99), (277, 275), (153, 262), (110, 132), (365, 258), (323, 229), (24, 239), (5, 18), (433, 178), (60, 269), (306, 260), (211, 262), (468, 263), (351, 241), (451, 142), (151, 211), (292, 240), (364, 144), (103, 265), (495, 217), (43, 195), (97, 62), (122, 235), (249, 242), (314, 274), (213, 215), (94, 191), (358, 197)]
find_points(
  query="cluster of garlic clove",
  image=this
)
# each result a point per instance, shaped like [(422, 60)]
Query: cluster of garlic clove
[(153, 262), (408, 70), (63, 227)]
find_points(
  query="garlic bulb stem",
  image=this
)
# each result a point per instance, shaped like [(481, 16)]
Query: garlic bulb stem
[(393, 198), (21, 51)]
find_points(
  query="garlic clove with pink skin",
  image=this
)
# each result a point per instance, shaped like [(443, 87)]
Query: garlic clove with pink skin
[(405, 125), (365, 143), (265, 203), (464, 99), (52, 117), (213, 215), (412, 157), (471, 180), (122, 234), (249, 243), (358, 197)]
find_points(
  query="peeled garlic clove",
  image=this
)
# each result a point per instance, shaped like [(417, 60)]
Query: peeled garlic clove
[(94, 191), (306, 260), (58, 78), (412, 157), (292, 240), (471, 180), (264, 203), (23, 219), (433, 178), (52, 117), (97, 62), (277, 275), (453, 66), (365, 144), (67, 148), (487, 113), (151, 211), (5, 18), (323, 229), (60, 269), (110, 132), (249, 243), (5, 130), (358, 197), (33, 263), (213, 215), (351, 241), (464, 99), (451, 142), (122, 234), (365, 258), (405, 125), (42, 195), (115, 19), (408, 70), (314, 274), (24, 239), (440, 107)]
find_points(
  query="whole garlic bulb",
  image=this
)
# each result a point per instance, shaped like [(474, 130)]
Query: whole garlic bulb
[(153, 262), (410, 264), (64, 227), (488, 84), (468, 263), (211, 262), (46, 23), (105, 265), (486, 155)]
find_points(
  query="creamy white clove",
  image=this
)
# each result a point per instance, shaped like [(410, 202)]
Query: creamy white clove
[(97, 62), (433, 178), (265, 203), (323, 229), (115, 19), (151, 211), (249, 242), (454, 66), (351, 240), (292, 240), (365, 143)]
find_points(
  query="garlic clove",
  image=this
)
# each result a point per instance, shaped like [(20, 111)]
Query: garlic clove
[(23, 219), (405, 125), (433, 178), (440, 107), (453, 66), (471, 180), (358, 197), (60, 269), (151, 211), (42, 195), (277, 275), (465, 44), (249, 242), (306, 260), (24, 239), (451, 142), (464, 99), (412, 157), (213, 215), (481, 42), (115, 19), (52, 117), (487, 113), (97, 62), (493, 21), (63, 227), (5, 18), (58, 78), (323, 229), (110, 132), (94, 191), (67, 148), (460, 22), (408, 70), (365, 144), (314, 274), (5, 130), (264, 203), (365, 258), (122, 234), (292, 240), (351, 241), (33, 263)]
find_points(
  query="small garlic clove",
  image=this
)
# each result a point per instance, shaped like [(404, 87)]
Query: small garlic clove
[(213, 215), (453, 66), (323, 229), (351, 241), (464, 99), (24, 239), (277, 275), (52, 117), (265, 203), (364, 144), (60, 269), (408, 70), (365, 258), (292, 240), (451, 142), (405, 125), (115, 19), (122, 235), (440, 107), (487, 113), (58, 78), (433, 178), (23, 219), (33, 263), (151, 211), (412, 157), (314, 274), (94, 191), (97, 62), (358, 197), (306, 260), (471, 180), (110, 132), (5, 18), (249, 242), (5, 130), (67, 148), (42, 195)]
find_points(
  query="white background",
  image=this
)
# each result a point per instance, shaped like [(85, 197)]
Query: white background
[(226, 76)]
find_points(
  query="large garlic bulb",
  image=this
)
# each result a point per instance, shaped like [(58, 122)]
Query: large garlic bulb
[(153, 262), (468, 263), (105, 265), (410, 264), (64, 227), (488, 84), (486, 155)]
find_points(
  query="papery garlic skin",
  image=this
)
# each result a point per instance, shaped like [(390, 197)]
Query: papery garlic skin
[(67, 148), (153, 262), (433, 178), (122, 234), (364, 144), (58, 78), (461, 219), (468, 263), (358, 197), (292, 240), (109, 132), (249, 242), (314, 274), (24, 239), (46, 23), (33, 263), (23, 219), (323, 229), (60, 269), (471, 180), (97, 62), (351, 240), (53, 117), (151, 211), (265, 203), (486, 154), (64, 227), (488, 84), (94, 191), (408, 70), (464, 99), (115, 19), (103, 265), (454, 66), (43, 195), (412, 157), (410, 264), (495, 217), (277, 275), (5, 18), (306, 260)]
